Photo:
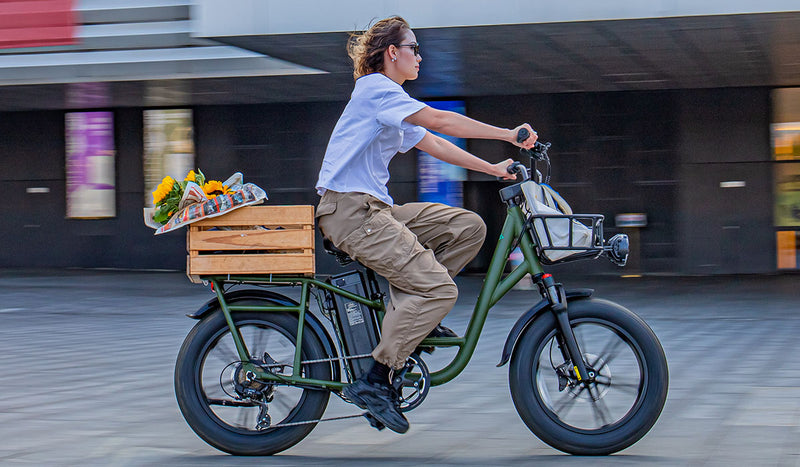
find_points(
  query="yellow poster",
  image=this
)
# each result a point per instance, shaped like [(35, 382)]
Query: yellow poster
[(787, 195), (786, 141), (787, 249)]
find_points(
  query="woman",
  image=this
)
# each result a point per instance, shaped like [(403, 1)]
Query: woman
[(417, 247)]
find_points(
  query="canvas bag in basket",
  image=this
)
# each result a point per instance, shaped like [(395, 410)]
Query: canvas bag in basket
[(543, 200)]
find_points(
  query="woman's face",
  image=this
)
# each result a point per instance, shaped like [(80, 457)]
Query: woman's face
[(407, 63)]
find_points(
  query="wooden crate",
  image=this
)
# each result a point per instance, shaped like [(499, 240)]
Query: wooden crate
[(264, 240)]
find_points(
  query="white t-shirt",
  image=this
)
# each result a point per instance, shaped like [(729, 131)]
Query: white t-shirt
[(369, 133)]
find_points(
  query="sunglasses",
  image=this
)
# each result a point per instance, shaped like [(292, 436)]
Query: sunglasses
[(414, 47)]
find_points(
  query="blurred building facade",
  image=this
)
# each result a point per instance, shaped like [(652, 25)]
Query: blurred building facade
[(685, 113)]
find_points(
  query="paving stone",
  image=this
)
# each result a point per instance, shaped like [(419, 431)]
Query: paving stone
[(87, 362)]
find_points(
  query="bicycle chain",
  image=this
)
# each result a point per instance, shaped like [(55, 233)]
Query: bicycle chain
[(308, 362), (320, 360), (307, 422)]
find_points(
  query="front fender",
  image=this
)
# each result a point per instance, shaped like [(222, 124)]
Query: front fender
[(312, 321), (529, 316)]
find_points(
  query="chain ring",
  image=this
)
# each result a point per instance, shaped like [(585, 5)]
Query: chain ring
[(413, 392)]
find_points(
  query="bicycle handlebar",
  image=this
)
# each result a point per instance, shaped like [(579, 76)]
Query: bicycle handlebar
[(537, 153)]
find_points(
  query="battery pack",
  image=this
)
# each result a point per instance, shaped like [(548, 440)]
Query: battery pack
[(357, 322)]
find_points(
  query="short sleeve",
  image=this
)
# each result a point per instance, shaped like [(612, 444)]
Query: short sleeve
[(412, 135), (395, 106)]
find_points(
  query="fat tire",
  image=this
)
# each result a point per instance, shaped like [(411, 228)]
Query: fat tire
[(536, 416), (197, 413)]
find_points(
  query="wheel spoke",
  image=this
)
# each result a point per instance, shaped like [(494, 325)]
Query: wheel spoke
[(225, 352), (260, 343), (599, 408), (243, 417), (282, 402), (567, 402), (214, 390), (609, 353), (626, 387)]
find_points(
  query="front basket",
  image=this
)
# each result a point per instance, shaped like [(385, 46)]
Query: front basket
[(562, 238)]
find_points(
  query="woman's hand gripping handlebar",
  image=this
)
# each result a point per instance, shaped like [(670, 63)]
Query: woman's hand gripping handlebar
[(517, 167)]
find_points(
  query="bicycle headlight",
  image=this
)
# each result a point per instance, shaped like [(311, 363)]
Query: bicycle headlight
[(617, 249)]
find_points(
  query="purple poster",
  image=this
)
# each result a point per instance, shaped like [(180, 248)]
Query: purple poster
[(90, 165)]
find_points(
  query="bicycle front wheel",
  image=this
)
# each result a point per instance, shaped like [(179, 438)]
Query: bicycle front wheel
[(627, 369)]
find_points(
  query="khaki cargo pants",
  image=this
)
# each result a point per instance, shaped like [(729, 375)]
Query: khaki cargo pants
[(417, 247)]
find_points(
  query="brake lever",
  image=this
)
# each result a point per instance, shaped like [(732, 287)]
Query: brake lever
[(538, 152)]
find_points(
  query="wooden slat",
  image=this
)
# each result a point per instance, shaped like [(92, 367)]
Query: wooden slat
[(263, 215), (289, 263), (213, 240)]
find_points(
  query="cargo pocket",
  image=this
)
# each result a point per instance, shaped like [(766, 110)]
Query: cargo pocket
[(325, 208), (381, 243)]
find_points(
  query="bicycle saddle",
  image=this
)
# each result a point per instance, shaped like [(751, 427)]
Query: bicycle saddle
[(341, 257)]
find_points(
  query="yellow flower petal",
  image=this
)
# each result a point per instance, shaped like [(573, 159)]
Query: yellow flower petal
[(212, 188), (163, 189)]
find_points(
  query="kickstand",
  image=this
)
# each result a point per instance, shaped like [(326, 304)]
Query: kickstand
[(374, 422)]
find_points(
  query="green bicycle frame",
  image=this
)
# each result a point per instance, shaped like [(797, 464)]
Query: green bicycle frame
[(494, 288)]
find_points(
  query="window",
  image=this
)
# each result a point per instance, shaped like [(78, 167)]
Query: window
[(785, 135), (91, 188), (168, 147)]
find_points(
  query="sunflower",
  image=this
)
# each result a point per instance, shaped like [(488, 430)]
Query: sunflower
[(167, 185), (197, 177), (213, 188)]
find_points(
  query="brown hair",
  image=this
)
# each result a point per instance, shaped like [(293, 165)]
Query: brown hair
[(366, 49)]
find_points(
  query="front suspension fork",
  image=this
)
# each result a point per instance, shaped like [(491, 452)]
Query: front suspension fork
[(555, 294)]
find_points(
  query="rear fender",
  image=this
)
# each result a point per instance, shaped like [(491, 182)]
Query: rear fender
[(312, 322), (529, 316)]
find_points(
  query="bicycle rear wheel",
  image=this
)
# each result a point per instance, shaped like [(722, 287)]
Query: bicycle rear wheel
[(231, 410)]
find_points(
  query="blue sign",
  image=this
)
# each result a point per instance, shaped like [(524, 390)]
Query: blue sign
[(440, 182)]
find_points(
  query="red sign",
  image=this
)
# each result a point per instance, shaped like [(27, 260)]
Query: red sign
[(37, 23)]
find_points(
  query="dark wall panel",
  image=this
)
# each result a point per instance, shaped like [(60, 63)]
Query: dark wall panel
[(612, 153), (724, 136), (662, 153)]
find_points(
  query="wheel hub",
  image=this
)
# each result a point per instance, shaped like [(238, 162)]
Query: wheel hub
[(248, 385), (599, 390)]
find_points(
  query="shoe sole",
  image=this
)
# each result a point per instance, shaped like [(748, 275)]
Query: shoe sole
[(363, 405)]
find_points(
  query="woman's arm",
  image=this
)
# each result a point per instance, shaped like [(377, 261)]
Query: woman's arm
[(460, 126), (448, 152)]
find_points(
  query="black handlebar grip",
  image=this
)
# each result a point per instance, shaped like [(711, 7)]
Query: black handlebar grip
[(523, 134), (512, 168)]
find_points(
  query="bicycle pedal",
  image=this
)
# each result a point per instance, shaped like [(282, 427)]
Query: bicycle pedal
[(374, 422)]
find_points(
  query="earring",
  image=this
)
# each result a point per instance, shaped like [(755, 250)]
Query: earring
[(394, 59)]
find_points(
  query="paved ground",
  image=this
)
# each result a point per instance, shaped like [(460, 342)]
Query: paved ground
[(86, 362)]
